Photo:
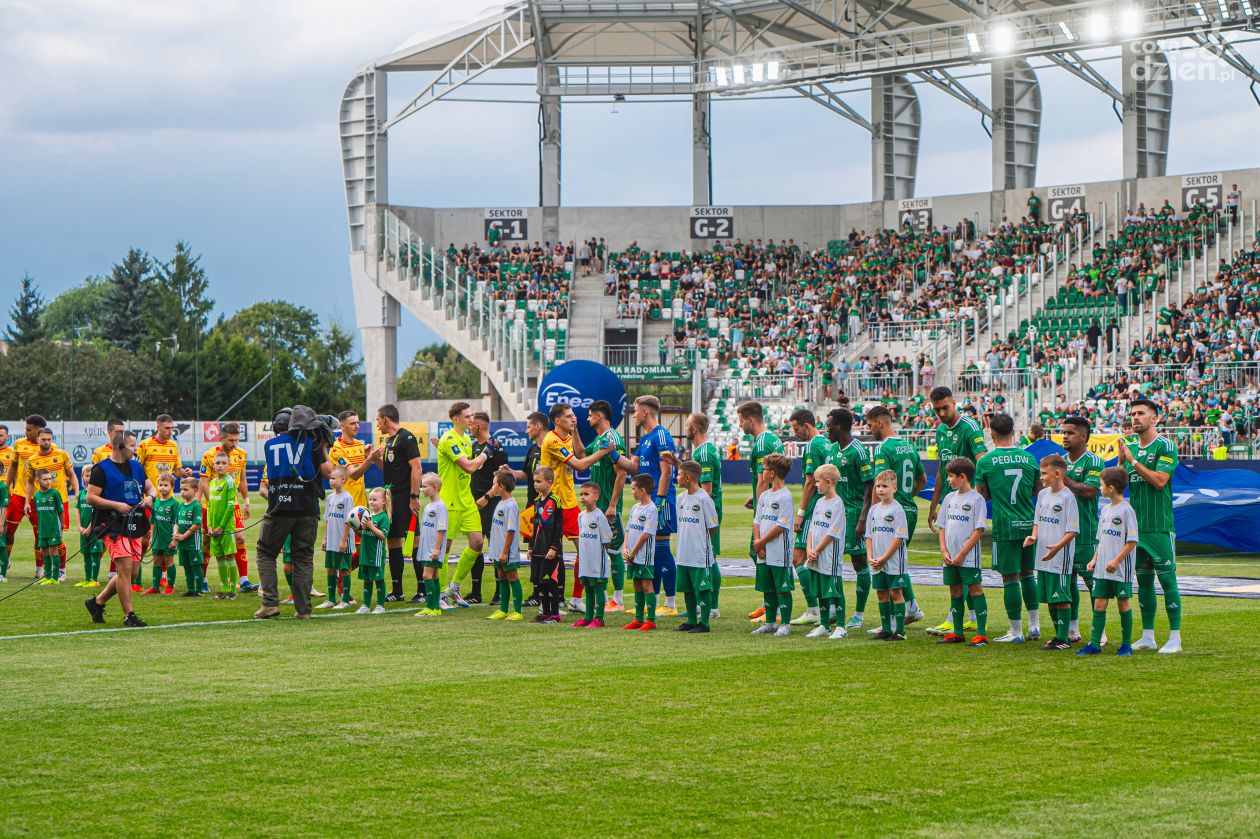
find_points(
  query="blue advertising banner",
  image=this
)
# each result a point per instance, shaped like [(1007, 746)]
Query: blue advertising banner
[(579, 383)]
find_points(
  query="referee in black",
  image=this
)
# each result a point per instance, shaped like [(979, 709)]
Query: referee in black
[(479, 483), (537, 425), (399, 459)]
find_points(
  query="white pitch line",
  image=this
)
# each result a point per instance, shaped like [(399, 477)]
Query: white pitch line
[(186, 624)]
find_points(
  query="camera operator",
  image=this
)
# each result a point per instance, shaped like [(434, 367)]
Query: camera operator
[(297, 462)]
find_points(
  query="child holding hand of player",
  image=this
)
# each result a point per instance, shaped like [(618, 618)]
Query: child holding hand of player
[(1056, 523), (886, 534), (337, 540), (165, 511), (187, 538), (504, 549), (594, 535), (1112, 565), (772, 546), (49, 543), (372, 550), (960, 524), (824, 554), (639, 552), (431, 544)]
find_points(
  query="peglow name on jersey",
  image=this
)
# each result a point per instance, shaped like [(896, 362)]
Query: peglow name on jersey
[(1006, 458)]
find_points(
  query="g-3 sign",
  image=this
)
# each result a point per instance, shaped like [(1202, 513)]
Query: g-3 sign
[(712, 223)]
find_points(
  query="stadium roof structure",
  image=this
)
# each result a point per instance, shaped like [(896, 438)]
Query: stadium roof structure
[(728, 48)]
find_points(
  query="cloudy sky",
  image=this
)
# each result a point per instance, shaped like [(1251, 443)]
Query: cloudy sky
[(141, 122)]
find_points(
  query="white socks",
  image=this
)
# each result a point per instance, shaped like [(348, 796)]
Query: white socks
[(1017, 627), (1034, 621), (1074, 627), (669, 602)]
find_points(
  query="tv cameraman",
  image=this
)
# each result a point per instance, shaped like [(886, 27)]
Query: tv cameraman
[(297, 462)]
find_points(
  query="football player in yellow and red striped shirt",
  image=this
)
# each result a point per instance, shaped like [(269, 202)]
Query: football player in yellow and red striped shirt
[(229, 444), (55, 461), (23, 448)]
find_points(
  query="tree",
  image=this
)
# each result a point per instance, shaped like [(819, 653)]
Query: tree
[(439, 372), (177, 304), (26, 317), (94, 380), (121, 322), (335, 382), (277, 326), (80, 308)]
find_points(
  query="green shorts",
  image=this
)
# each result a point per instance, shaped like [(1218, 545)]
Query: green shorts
[(595, 582), (190, 556), (828, 586), (336, 561), (424, 563), (883, 582), (952, 574), (224, 545), (1011, 557), (772, 578), (1112, 590), (48, 542), (638, 571), (801, 542), (853, 546), (505, 567), (90, 546), (1158, 550), (1054, 588), (1083, 555), (372, 573), (912, 521), (694, 580)]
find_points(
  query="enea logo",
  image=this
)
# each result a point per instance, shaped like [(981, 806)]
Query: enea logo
[(577, 384)]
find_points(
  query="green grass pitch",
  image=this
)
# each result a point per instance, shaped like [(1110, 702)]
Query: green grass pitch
[(390, 725)]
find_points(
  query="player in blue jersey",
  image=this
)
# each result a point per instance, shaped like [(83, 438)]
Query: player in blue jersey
[(654, 441)]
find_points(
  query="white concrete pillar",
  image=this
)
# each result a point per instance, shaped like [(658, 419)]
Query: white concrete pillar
[(701, 151)]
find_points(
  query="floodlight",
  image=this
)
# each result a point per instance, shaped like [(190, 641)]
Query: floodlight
[(1098, 26), (1198, 8), (720, 73), (1131, 21), (739, 73), (758, 72), (1003, 38), (772, 70), (973, 42), (1224, 6), (1067, 33)]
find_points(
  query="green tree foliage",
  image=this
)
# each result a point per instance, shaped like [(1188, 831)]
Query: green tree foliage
[(129, 281), (26, 317), (80, 308), (178, 303), (93, 380), (275, 325), (439, 372), (335, 381)]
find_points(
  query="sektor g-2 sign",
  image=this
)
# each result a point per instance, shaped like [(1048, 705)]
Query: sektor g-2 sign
[(712, 223)]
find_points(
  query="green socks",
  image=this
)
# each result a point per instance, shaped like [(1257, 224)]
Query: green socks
[(770, 600), (956, 613), (1010, 599), (601, 600), (899, 617), (518, 596), (981, 606), (1147, 601), (803, 575), (333, 577), (651, 606), (1028, 584), (640, 602), (706, 605), (618, 570), (785, 607), (863, 588), (223, 572), (1099, 624), (367, 592), (345, 589), (690, 600), (715, 577), (430, 593), (1126, 626), (885, 615), (1172, 598), (588, 597), (4, 562), (826, 608), (1062, 619)]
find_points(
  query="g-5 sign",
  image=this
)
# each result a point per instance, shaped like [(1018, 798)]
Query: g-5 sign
[(1201, 189), (712, 223)]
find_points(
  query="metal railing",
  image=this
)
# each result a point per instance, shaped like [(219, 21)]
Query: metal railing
[(745, 385), (917, 333)]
